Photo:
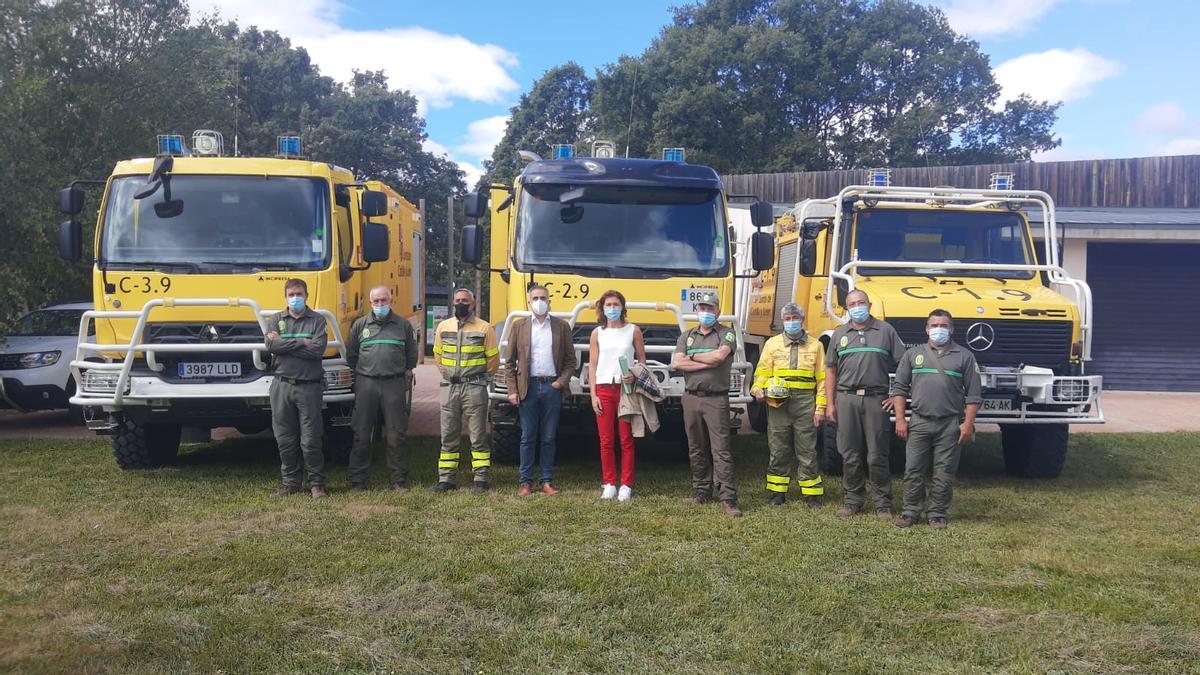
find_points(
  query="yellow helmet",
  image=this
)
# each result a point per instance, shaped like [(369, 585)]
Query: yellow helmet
[(776, 388)]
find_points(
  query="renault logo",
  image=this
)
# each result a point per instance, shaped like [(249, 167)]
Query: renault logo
[(209, 333), (981, 336)]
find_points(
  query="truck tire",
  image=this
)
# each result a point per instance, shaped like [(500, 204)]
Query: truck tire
[(828, 458), (506, 444), (137, 445), (757, 412), (1035, 450), (337, 444)]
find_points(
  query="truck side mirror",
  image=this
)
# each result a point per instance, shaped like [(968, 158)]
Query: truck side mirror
[(70, 200), (373, 204), (808, 257), (375, 242), (475, 205), (472, 244), (70, 240), (762, 214), (762, 251)]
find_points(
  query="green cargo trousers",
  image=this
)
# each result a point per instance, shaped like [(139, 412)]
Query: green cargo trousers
[(706, 421), (296, 422), (792, 440), (932, 444), (371, 395), (464, 401), (863, 425)]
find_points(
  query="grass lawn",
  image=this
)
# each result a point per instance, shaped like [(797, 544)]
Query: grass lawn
[(195, 568)]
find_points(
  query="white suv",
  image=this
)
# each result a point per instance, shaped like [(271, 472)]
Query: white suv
[(35, 358)]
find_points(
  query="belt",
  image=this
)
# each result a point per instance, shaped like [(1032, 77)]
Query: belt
[(704, 392), (381, 377), (292, 380), (465, 380), (864, 391), (544, 379)]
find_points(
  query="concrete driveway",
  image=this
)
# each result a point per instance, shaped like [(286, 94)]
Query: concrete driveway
[(1125, 411)]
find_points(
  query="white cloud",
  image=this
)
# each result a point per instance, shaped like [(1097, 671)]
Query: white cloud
[(1162, 119), (436, 67), (482, 137), (988, 18), (473, 172), (1182, 146), (1054, 75)]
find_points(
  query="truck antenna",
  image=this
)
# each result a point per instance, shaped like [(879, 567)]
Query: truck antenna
[(632, 94)]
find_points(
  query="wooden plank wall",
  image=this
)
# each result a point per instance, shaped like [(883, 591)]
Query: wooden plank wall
[(1141, 182)]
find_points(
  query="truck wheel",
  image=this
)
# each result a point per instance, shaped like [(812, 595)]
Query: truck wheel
[(1035, 450), (828, 457), (506, 444), (337, 444), (757, 412), (137, 445)]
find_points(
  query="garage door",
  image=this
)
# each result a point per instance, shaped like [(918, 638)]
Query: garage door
[(1147, 328)]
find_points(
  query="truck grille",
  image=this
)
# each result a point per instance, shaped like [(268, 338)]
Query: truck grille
[(202, 334), (1034, 343)]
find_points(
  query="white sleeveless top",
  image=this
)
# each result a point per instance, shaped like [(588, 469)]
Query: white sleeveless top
[(614, 343)]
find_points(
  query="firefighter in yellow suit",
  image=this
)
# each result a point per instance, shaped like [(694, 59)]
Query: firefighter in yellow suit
[(790, 378), (467, 354)]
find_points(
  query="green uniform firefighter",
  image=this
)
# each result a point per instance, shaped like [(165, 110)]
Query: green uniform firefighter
[(296, 340), (382, 351), (942, 379), (466, 352), (861, 354), (790, 378), (705, 356)]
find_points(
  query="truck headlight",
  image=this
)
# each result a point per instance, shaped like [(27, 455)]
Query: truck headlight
[(339, 378), (39, 359)]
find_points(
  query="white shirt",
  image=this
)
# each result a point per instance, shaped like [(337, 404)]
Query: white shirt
[(541, 348), (613, 343)]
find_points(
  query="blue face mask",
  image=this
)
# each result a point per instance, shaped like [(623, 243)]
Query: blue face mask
[(296, 302), (381, 312), (707, 319), (860, 313), (612, 313), (939, 336), (793, 327)]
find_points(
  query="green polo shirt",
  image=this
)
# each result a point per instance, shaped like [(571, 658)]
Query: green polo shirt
[(694, 342), (290, 356), (384, 347), (933, 393), (864, 357)]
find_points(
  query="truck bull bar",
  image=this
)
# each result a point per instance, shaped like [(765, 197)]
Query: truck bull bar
[(741, 374), (112, 384)]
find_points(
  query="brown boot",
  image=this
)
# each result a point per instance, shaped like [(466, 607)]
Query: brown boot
[(937, 523), (525, 490), (731, 508), (885, 514), (285, 491), (701, 497), (400, 486), (847, 511), (358, 487), (905, 521), (318, 492), (549, 489)]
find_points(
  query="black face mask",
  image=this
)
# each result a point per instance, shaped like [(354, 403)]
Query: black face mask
[(462, 310)]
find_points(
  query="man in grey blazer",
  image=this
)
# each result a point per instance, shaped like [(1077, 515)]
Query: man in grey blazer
[(539, 361)]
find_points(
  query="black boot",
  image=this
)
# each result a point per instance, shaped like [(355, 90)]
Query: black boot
[(443, 486), (777, 499)]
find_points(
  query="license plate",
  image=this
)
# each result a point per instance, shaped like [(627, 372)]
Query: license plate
[(1004, 404), (191, 369), (687, 298)]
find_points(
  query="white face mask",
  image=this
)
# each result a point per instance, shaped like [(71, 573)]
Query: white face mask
[(539, 306)]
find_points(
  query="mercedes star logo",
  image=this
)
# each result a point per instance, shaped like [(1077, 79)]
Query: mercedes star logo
[(209, 333), (981, 336)]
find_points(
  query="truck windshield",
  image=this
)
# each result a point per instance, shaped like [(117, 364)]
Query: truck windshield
[(924, 236), (626, 231), (226, 222)]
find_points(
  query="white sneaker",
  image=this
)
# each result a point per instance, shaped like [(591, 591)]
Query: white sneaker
[(625, 494), (608, 491)]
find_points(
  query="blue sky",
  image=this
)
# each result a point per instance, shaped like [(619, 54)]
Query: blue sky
[(1124, 69)]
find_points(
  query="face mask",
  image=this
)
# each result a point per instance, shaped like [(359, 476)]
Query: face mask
[(939, 336), (296, 302), (462, 310), (381, 312), (612, 313), (793, 327), (860, 313), (539, 307), (707, 319)]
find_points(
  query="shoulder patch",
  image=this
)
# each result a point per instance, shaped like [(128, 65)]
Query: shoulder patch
[(920, 359), (366, 332), (729, 337), (282, 325), (691, 341), (844, 341)]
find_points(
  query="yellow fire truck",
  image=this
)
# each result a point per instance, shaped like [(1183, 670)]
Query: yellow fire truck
[(191, 250), (968, 251), (658, 231)]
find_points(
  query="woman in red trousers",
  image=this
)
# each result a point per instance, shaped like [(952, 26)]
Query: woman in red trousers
[(613, 338)]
